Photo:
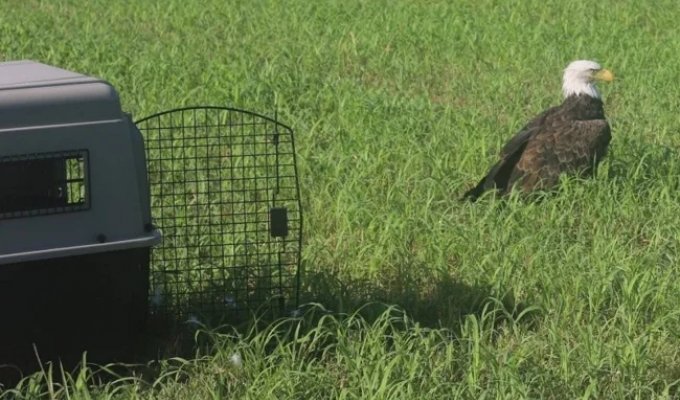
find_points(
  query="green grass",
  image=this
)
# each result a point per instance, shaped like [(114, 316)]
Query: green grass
[(399, 106)]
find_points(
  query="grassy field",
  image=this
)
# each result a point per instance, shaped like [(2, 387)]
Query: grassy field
[(398, 107)]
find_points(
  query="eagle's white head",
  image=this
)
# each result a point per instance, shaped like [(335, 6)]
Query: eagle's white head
[(580, 77)]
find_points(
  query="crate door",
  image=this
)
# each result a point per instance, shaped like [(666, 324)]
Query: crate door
[(225, 195)]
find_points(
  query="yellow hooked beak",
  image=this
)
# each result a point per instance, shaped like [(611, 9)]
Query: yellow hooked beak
[(604, 75)]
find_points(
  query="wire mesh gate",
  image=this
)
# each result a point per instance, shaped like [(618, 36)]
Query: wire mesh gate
[(225, 195)]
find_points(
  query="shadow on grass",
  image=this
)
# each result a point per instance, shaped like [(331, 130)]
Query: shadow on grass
[(433, 300)]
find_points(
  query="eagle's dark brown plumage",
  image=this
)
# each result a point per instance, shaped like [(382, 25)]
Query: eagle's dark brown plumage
[(570, 138)]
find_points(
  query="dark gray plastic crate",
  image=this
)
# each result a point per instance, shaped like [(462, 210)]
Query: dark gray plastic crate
[(75, 217)]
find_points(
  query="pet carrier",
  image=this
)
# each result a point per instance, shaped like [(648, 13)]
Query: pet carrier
[(86, 195), (75, 218)]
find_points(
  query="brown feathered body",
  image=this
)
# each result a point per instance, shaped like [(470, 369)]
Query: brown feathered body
[(570, 138)]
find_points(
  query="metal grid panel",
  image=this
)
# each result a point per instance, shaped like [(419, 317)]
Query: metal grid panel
[(43, 183), (224, 193)]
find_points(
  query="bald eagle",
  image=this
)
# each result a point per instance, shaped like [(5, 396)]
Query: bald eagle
[(572, 137)]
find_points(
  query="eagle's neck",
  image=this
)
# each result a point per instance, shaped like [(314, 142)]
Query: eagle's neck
[(584, 107)]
